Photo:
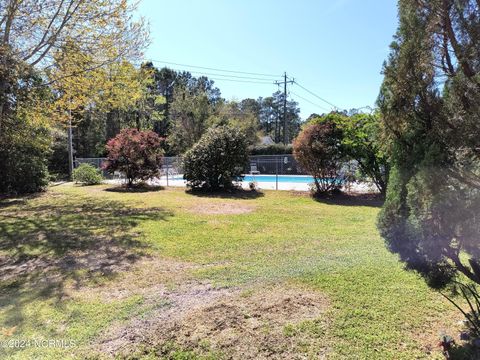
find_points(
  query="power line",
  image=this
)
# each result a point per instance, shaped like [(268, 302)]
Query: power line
[(318, 97), (312, 103), (244, 81), (214, 69), (223, 75)]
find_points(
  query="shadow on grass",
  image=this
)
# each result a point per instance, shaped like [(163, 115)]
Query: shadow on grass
[(64, 241), (227, 194), (344, 199), (12, 200), (135, 189), (465, 352)]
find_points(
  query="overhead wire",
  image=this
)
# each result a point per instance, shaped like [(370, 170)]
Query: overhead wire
[(243, 81), (214, 69), (310, 102), (223, 75), (318, 97)]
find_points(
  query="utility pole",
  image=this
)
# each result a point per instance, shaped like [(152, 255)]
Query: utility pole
[(285, 108), (285, 82)]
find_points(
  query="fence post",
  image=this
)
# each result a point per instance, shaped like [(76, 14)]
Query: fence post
[(276, 173), (167, 172)]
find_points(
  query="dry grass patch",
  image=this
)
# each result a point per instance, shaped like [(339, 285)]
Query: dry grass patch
[(221, 208), (273, 323), (149, 277)]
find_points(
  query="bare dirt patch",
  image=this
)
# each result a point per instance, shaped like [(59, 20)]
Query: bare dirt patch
[(219, 208), (273, 323), (263, 325), (169, 307)]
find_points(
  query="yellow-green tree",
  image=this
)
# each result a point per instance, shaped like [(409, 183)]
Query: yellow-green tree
[(82, 41)]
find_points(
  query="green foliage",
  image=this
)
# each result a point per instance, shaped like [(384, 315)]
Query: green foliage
[(433, 198), (232, 113), (175, 105), (23, 160), (216, 160), (41, 77), (273, 149), (271, 117), (189, 115), (24, 132), (58, 157), (318, 150), (87, 174), (361, 142)]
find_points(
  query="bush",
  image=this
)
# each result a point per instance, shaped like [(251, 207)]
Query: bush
[(87, 175), (217, 160), (137, 154), (273, 149), (23, 159), (318, 150), (361, 142)]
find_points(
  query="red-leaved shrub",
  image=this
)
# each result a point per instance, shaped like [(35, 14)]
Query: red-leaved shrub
[(317, 149), (136, 154)]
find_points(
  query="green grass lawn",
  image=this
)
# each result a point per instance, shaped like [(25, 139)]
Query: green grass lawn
[(78, 262)]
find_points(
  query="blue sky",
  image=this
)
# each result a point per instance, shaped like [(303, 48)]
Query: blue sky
[(333, 48)]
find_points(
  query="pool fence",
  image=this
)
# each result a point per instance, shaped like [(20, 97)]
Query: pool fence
[(283, 164)]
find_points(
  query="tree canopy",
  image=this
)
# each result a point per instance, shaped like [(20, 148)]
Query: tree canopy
[(55, 56)]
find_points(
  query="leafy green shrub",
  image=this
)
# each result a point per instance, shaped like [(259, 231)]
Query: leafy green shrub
[(216, 160), (273, 149), (23, 159), (361, 142), (87, 175)]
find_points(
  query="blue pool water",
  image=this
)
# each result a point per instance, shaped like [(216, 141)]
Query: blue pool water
[(281, 178), (272, 178)]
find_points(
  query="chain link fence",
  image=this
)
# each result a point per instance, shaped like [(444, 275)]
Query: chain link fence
[(273, 165), (171, 167), (273, 169), (257, 164)]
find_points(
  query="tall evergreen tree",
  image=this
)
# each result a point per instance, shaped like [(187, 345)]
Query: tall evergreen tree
[(271, 117), (429, 102)]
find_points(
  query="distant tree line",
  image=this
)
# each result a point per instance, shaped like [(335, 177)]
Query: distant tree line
[(180, 108)]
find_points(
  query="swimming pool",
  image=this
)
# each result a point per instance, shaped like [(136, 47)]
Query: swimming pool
[(300, 179), (281, 178)]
